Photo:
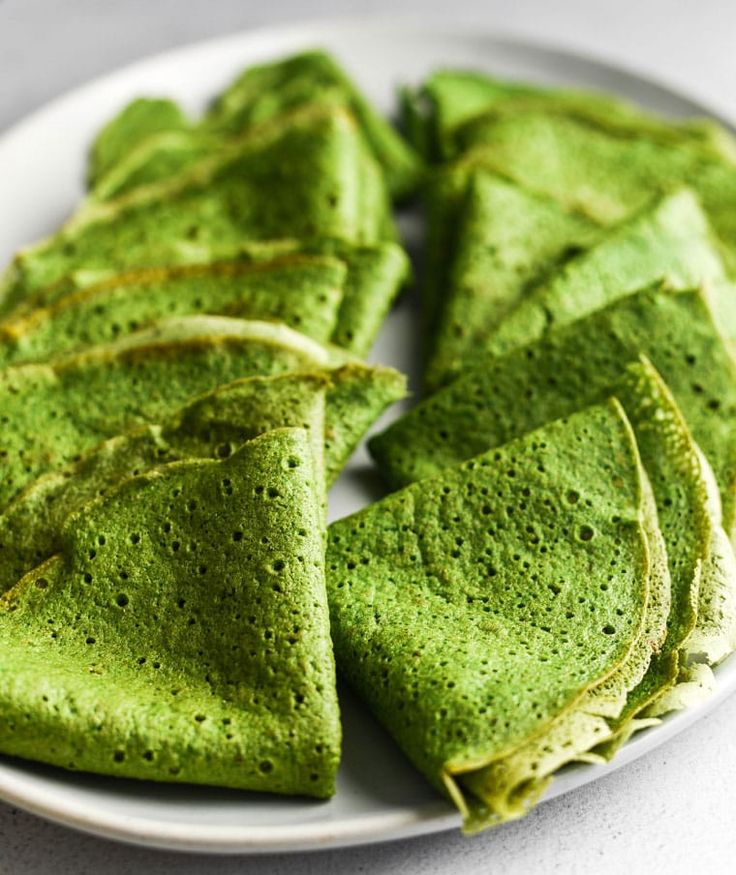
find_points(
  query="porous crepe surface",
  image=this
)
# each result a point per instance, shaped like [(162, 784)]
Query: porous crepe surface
[(214, 426), (373, 276), (182, 633), (57, 411), (675, 330), (472, 608), (307, 179)]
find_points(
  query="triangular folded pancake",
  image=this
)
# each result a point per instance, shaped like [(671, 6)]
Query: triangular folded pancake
[(211, 426), (670, 239), (675, 330), (138, 121), (150, 140), (450, 98), (182, 633), (496, 241), (54, 412), (449, 208), (475, 609), (308, 179)]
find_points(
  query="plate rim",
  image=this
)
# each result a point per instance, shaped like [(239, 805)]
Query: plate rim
[(409, 822)]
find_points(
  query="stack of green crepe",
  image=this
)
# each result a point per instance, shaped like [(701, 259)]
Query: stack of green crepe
[(180, 383)]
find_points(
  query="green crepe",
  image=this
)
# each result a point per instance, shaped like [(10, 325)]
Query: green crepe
[(342, 297), (309, 178), (670, 239), (451, 98), (54, 412), (453, 207), (475, 609), (149, 646), (502, 242), (493, 270), (150, 139), (213, 425), (675, 330), (607, 177)]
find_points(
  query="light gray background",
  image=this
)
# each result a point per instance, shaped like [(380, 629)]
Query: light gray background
[(675, 809)]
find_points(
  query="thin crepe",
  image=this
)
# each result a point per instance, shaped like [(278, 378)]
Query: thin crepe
[(148, 647), (476, 608), (671, 240)]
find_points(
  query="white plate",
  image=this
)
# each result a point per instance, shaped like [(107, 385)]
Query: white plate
[(42, 160)]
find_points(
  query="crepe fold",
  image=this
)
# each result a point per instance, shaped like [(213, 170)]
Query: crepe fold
[(150, 645), (150, 139), (495, 616)]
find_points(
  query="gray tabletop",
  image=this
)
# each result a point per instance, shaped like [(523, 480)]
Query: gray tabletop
[(674, 809)]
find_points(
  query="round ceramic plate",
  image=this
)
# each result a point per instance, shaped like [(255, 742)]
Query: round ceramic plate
[(42, 160)]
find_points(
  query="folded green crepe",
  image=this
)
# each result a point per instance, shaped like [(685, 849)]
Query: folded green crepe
[(522, 396), (138, 121), (346, 400), (306, 179), (670, 239), (54, 412), (493, 243), (461, 215), (475, 610), (150, 139), (323, 296), (450, 98), (148, 647), (213, 425), (605, 176), (675, 330)]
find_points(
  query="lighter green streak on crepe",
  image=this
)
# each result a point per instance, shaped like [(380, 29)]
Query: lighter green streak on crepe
[(307, 179), (670, 240), (506, 241), (54, 412), (473, 609), (283, 280), (260, 93), (151, 645), (450, 98), (675, 330)]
